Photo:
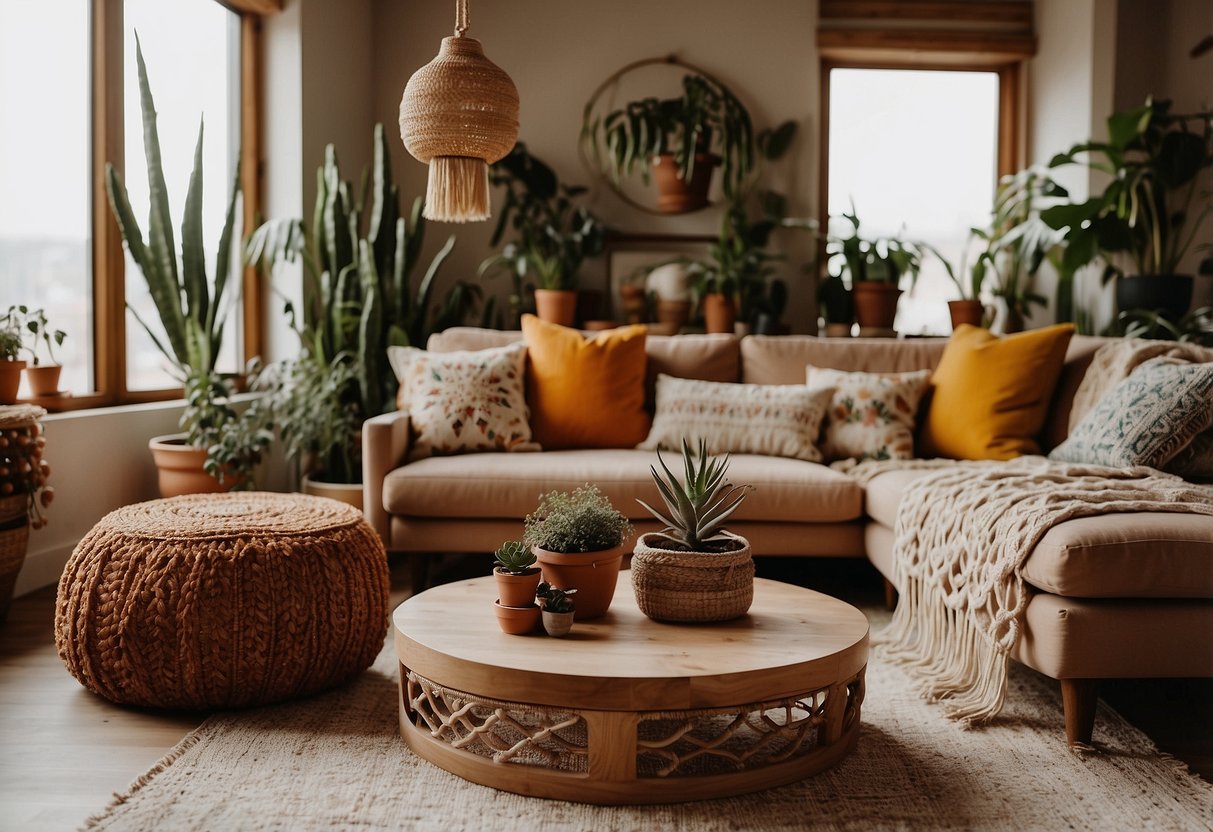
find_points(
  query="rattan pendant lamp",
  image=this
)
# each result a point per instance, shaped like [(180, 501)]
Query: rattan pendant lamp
[(459, 114)]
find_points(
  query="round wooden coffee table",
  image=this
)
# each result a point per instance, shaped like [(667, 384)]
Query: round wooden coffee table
[(628, 710)]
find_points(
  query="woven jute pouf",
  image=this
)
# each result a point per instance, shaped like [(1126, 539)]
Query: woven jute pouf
[(223, 600), (690, 586)]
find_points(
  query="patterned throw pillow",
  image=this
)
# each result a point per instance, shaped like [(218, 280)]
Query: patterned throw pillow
[(772, 419), (464, 401), (1146, 419), (871, 415)]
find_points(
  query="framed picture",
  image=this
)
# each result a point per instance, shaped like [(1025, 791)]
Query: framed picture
[(630, 257)]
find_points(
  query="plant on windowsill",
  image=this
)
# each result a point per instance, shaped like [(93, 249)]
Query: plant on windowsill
[(222, 443), (577, 538), (558, 609), (358, 260), (35, 330), (968, 278), (10, 363), (694, 570), (1152, 210), (874, 271), (554, 237)]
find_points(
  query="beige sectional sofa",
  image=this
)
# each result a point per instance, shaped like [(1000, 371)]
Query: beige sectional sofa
[(1119, 595)]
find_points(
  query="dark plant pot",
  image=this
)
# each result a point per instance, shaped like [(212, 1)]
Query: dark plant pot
[(674, 196), (768, 324), (875, 303), (966, 312), (1168, 294), (719, 313)]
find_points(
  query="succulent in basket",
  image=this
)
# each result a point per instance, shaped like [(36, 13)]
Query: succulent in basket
[(516, 574), (696, 507), (694, 570), (558, 609)]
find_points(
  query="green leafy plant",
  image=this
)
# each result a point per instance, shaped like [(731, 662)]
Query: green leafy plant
[(582, 520), (699, 504), (1196, 327), (191, 308), (35, 330), (553, 599), (514, 556), (707, 118), (878, 260), (1157, 200), (553, 235), (10, 342)]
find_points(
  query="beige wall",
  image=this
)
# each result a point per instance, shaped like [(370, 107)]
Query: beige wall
[(558, 52)]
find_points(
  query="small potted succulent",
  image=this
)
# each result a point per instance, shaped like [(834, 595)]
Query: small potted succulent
[(694, 570), (558, 609), (578, 539), (516, 574)]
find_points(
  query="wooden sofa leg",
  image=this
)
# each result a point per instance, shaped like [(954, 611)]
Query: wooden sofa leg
[(890, 595), (1079, 698), (420, 577)]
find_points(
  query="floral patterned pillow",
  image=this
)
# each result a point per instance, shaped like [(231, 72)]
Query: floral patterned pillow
[(464, 401), (871, 415)]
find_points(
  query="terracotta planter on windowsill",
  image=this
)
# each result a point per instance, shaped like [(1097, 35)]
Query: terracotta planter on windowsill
[(966, 312), (43, 379), (556, 306), (10, 380), (719, 313), (875, 303)]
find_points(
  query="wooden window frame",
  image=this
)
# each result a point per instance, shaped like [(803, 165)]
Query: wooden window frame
[(108, 258)]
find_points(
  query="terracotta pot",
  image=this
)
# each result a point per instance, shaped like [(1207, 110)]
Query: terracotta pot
[(558, 624), (875, 303), (556, 306), (719, 313), (180, 468), (673, 313), (838, 330), (674, 196), (1170, 294), (10, 380), (43, 379), (966, 312), (592, 574), (516, 589), (516, 621), (631, 298), (342, 492)]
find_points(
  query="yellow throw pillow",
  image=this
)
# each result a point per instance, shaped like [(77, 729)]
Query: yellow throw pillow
[(991, 394), (585, 392)]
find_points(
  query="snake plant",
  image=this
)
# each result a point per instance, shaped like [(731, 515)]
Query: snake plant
[(696, 507)]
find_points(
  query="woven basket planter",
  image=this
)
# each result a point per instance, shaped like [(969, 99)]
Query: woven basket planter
[(689, 586), (14, 538)]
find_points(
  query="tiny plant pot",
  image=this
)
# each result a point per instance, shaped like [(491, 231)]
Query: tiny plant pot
[(43, 379), (517, 621), (517, 589), (10, 380), (556, 306), (594, 574), (558, 624)]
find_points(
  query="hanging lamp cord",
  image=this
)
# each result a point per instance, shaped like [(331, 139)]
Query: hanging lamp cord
[(461, 17)]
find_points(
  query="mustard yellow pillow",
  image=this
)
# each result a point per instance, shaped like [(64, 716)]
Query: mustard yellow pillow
[(991, 394), (585, 392)]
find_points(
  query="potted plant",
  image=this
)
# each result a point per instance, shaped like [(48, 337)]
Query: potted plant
[(555, 235), (24, 493), (1152, 210), (10, 365), (875, 269), (577, 538), (516, 573), (694, 570), (359, 299), (837, 306), (558, 609), (680, 140), (32, 325), (222, 444), (968, 279)]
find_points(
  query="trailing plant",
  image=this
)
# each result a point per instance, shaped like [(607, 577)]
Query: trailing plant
[(553, 234), (553, 599), (191, 307), (707, 118), (514, 556), (697, 506), (34, 329), (582, 520)]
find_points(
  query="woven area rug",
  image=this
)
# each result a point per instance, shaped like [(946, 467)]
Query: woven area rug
[(336, 761)]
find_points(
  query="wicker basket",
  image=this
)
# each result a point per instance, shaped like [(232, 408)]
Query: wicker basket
[(14, 538), (688, 586)]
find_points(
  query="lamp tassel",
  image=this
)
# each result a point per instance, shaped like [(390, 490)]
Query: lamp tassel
[(457, 190)]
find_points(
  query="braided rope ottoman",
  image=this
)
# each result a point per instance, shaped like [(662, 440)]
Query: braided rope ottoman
[(223, 600)]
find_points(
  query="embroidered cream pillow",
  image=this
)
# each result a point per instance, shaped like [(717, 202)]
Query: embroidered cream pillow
[(772, 419), (871, 415), (464, 401)]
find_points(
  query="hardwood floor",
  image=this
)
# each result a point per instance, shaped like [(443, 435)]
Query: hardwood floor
[(64, 752)]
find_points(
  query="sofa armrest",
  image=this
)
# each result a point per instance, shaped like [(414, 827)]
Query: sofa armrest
[(385, 444)]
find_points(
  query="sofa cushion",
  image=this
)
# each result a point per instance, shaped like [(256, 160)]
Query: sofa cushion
[(1079, 354), (1124, 555), (585, 392), (771, 419), (871, 415), (509, 485), (767, 359), (990, 395)]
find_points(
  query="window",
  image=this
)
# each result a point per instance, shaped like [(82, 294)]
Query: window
[(59, 246), (916, 153)]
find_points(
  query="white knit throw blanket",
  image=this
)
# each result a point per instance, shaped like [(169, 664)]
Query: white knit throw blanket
[(962, 537)]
